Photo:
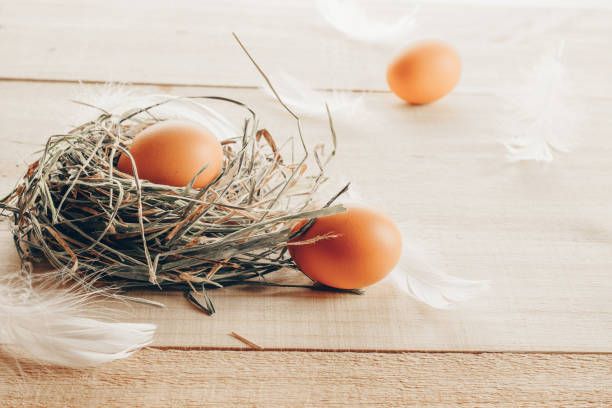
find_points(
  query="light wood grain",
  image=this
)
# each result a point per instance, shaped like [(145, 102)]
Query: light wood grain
[(155, 378), (541, 234), (190, 42)]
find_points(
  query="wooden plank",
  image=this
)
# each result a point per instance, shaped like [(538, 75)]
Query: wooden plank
[(541, 234), (190, 43), (156, 378)]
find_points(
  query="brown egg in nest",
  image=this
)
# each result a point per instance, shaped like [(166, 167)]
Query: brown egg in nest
[(172, 152)]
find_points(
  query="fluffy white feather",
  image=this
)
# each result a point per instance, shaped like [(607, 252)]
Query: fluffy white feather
[(416, 277), (304, 100), (52, 325), (542, 123), (117, 99), (347, 17)]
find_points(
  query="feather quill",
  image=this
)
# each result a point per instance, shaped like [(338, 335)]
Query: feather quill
[(52, 325), (542, 122), (307, 101), (347, 17)]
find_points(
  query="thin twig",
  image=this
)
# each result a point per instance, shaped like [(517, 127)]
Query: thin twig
[(245, 341)]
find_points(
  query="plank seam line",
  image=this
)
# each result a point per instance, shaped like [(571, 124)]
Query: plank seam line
[(170, 84), (492, 92), (384, 351), (98, 82)]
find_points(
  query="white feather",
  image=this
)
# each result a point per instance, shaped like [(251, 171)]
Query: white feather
[(417, 278), (118, 99), (107, 97), (304, 100), (542, 123), (347, 17), (52, 325)]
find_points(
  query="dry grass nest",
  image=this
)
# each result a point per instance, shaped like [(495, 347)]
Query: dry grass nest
[(74, 208)]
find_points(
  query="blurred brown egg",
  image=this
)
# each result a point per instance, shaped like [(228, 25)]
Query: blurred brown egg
[(171, 152), (424, 72)]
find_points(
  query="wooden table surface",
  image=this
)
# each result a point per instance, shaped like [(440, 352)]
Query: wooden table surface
[(541, 233)]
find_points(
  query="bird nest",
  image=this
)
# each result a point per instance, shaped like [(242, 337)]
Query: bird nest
[(77, 210)]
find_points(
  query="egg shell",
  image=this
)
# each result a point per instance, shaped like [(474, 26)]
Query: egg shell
[(368, 248), (172, 152), (424, 72)]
